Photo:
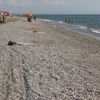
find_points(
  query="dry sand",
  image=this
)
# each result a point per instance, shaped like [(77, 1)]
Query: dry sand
[(51, 64)]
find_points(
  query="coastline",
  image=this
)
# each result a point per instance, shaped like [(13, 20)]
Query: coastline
[(68, 27), (51, 64), (91, 32)]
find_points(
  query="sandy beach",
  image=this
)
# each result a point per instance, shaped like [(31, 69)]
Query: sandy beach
[(51, 64)]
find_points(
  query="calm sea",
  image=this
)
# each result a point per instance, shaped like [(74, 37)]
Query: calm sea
[(84, 23)]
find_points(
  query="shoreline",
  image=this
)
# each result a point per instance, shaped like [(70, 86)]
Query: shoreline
[(78, 28), (51, 64), (67, 28)]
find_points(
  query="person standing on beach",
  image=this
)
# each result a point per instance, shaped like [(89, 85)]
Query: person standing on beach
[(34, 18), (2, 17), (29, 17)]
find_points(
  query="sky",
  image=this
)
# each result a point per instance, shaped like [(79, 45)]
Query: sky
[(51, 6)]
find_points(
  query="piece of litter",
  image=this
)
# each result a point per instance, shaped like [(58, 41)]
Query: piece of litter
[(35, 30), (12, 43)]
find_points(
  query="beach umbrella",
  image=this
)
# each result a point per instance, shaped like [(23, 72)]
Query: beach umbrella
[(29, 14), (6, 13)]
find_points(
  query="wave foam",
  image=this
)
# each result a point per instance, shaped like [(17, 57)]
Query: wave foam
[(82, 27), (60, 22), (94, 30), (47, 20)]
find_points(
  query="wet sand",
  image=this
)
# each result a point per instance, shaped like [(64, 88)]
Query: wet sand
[(51, 64)]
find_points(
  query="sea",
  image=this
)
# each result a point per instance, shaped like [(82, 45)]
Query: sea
[(87, 24)]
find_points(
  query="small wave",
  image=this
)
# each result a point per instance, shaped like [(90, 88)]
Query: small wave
[(47, 20), (94, 30), (60, 22), (82, 27)]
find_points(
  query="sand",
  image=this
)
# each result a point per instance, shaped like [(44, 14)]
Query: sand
[(51, 64)]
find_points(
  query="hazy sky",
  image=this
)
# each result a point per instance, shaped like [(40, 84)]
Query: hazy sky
[(52, 6)]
